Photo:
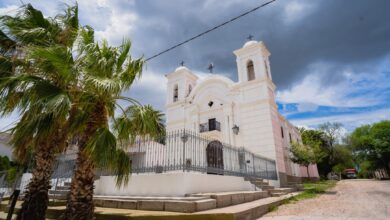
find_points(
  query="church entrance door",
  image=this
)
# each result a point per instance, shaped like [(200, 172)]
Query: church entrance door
[(214, 153)]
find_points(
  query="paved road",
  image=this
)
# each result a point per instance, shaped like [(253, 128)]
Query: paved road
[(350, 199)]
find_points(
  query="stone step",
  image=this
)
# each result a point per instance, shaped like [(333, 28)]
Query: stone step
[(3, 215), (62, 188), (232, 198), (250, 210), (58, 196), (191, 203), (277, 194), (253, 179), (260, 183), (283, 190), (159, 205), (58, 192), (267, 187), (296, 186)]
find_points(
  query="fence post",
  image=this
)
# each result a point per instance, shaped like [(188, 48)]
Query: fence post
[(184, 138), (254, 168), (14, 198)]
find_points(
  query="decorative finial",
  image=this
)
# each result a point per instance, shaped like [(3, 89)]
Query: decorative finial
[(250, 37), (211, 67), (182, 63)]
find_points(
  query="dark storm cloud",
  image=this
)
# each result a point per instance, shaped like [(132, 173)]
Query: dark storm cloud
[(337, 32)]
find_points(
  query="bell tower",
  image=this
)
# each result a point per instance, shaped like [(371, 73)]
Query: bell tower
[(253, 62), (180, 84)]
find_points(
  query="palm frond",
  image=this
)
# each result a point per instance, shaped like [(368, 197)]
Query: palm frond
[(102, 147), (121, 167), (139, 121), (70, 23), (55, 62), (103, 85)]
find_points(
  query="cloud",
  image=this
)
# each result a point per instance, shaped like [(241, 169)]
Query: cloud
[(307, 106), (322, 54), (296, 10), (151, 81), (112, 20), (349, 121), (349, 89), (9, 10), (9, 121)]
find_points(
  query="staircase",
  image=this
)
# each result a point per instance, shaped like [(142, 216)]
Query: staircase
[(60, 192), (272, 191)]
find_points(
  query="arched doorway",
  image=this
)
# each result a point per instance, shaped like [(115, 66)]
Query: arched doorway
[(214, 153)]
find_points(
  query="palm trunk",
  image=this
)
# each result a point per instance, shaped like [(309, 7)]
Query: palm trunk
[(36, 197), (80, 201)]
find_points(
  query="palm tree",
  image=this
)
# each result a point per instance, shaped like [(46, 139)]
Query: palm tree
[(69, 89), (107, 72), (40, 96)]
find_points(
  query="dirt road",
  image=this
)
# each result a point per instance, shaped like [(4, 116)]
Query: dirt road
[(350, 199)]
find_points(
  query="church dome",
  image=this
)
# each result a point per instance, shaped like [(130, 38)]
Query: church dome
[(181, 68), (249, 43)]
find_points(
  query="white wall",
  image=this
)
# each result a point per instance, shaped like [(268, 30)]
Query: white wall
[(171, 184)]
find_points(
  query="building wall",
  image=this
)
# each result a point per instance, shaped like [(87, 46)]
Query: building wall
[(171, 184)]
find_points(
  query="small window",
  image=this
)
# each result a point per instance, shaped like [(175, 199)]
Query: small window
[(189, 90), (281, 130), (266, 69), (175, 93), (250, 70), (289, 134)]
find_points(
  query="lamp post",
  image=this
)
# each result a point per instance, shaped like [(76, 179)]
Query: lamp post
[(184, 139)]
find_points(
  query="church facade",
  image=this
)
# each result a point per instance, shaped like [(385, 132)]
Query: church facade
[(242, 114)]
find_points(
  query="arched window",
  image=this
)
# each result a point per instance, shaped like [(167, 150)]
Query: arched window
[(281, 131), (266, 69), (250, 70), (189, 90), (175, 93)]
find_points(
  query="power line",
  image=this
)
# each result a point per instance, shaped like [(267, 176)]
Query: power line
[(209, 30)]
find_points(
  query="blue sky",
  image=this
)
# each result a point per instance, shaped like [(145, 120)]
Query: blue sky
[(330, 60)]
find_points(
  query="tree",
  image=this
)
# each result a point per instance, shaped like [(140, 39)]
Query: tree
[(371, 146), (332, 132), (325, 139), (107, 72), (316, 139), (342, 159), (35, 94), (305, 155), (65, 86)]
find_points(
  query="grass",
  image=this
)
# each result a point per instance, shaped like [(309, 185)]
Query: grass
[(272, 208), (312, 190)]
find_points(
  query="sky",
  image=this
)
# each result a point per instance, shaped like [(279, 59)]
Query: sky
[(330, 59)]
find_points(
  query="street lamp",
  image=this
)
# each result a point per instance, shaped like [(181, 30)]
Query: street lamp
[(235, 129)]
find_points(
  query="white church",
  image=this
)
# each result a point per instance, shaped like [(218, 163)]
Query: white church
[(222, 136), (242, 113)]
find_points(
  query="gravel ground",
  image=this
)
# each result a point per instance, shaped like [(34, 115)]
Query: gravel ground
[(350, 199)]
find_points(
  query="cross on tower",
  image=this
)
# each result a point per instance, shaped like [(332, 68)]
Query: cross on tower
[(211, 67), (250, 37), (182, 63)]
